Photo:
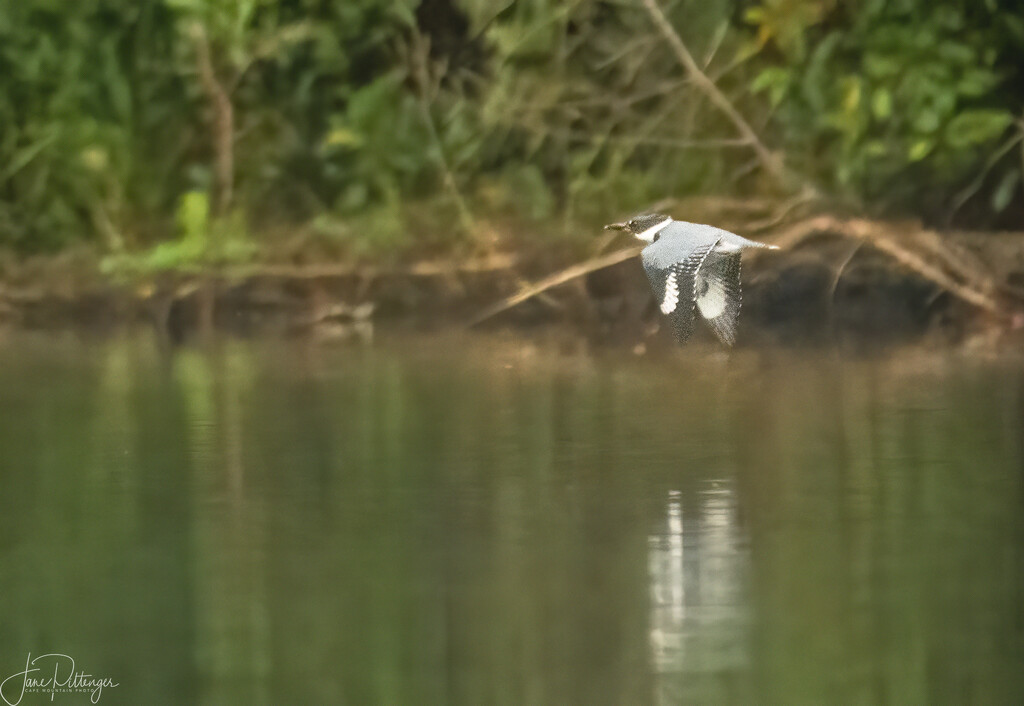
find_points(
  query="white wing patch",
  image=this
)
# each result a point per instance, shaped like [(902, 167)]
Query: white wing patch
[(668, 305), (713, 300)]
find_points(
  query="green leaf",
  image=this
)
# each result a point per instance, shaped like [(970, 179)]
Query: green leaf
[(976, 82), (373, 101), (927, 120), (852, 95), (25, 155), (920, 149), (775, 80), (754, 15), (875, 149), (193, 217), (342, 136), (881, 66), (881, 103), (404, 12), (187, 6), (819, 76), (769, 77), (975, 127), (1003, 194), (953, 53), (1015, 25)]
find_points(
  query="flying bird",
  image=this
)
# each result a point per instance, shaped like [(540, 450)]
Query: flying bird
[(691, 265)]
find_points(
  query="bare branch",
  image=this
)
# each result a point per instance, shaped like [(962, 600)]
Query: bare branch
[(566, 275), (426, 90), (769, 162), (223, 121), (971, 189), (973, 290)]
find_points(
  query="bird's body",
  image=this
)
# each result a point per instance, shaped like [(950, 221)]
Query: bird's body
[(692, 266)]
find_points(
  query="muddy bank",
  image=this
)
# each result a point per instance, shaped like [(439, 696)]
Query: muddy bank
[(830, 281)]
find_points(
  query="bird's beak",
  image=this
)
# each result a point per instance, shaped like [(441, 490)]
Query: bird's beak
[(616, 226)]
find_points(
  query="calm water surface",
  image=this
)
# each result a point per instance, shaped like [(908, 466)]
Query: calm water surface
[(467, 522)]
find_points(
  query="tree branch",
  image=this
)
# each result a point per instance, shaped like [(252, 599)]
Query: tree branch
[(223, 122), (769, 162), (566, 275), (975, 287)]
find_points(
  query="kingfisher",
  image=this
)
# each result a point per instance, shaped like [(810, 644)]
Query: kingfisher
[(692, 265)]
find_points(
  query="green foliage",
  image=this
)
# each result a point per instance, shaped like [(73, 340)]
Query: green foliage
[(79, 147), (892, 101), (202, 241), (378, 142), (346, 111), (106, 124)]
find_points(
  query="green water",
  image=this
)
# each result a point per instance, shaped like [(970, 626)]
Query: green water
[(463, 521)]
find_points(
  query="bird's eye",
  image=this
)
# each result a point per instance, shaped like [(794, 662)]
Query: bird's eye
[(631, 223)]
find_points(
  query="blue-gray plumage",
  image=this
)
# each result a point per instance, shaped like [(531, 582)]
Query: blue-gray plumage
[(691, 265)]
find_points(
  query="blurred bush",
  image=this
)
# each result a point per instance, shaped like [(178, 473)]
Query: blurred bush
[(912, 104), (357, 116)]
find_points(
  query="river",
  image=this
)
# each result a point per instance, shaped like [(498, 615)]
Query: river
[(483, 521)]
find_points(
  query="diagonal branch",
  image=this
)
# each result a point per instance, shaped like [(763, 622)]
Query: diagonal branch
[(974, 289), (770, 162), (566, 275)]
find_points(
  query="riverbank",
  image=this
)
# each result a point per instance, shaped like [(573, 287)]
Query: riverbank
[(832, 279)]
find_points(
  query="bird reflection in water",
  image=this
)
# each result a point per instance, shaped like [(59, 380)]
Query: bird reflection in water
[(697, 564)]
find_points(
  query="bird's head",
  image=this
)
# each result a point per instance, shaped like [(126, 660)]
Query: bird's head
[(644, 226)]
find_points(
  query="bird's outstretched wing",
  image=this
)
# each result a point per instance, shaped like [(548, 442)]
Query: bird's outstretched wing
[(673, 276), (718, 294)]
